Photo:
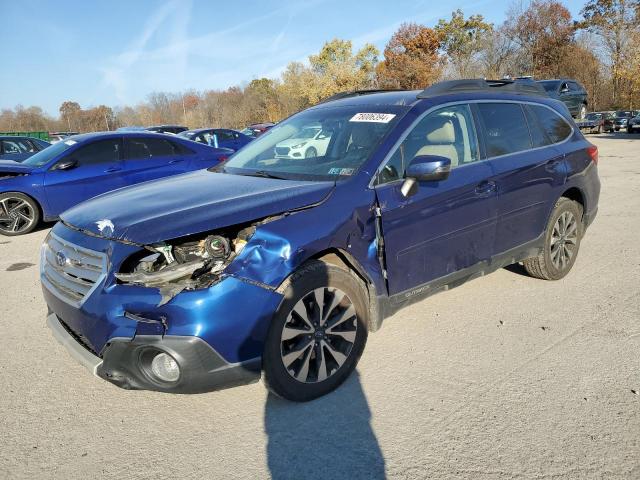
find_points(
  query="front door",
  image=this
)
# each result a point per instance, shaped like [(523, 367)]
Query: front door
[(446, 226), (91, 170)]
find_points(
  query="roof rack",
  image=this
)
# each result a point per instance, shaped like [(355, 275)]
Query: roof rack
[(357, 93), (522, 86)]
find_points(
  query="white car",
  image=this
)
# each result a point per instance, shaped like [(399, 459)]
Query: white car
[(310, 142)]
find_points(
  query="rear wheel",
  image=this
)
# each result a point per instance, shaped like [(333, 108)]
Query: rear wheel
[(19, 214), (561, 242), (318, 333)]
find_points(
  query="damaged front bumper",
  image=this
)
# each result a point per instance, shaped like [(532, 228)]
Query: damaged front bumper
[(202, 369), (216, 334)]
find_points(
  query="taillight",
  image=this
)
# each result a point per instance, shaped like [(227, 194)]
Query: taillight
[(224, 158), (593, 153)]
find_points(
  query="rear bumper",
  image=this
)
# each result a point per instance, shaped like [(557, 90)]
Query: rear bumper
[(202, 368)]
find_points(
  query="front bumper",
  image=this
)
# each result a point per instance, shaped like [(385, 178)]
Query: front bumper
[(202, 368)]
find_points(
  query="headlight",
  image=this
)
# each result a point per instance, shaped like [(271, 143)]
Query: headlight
[(300, 145)]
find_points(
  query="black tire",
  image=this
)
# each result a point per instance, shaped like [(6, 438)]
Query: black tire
[(544, 266), (311, 152), (28, 213), (303, 283)]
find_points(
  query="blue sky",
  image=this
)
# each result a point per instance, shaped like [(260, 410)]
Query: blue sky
[(117, 52)]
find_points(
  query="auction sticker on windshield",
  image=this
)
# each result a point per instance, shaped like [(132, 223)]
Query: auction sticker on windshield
[(373, 117)]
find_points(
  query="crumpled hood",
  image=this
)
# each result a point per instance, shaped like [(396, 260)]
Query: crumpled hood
[(192, 203), (9, 166)]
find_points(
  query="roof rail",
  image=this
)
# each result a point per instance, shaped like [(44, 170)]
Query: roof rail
[(357, 93), (523, 86)]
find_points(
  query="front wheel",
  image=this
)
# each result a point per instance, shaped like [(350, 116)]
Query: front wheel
[(311, 153), (561, 242), (317, 334), (19, 214)]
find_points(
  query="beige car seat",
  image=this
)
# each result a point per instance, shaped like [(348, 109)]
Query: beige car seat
[(441, 140)]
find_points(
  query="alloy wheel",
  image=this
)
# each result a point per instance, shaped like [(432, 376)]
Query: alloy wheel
[(564, 240), (319, 335), (16, 215)]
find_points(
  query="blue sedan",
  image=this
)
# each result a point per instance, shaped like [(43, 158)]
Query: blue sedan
[(218, 137), (83, 166), (19, 148)]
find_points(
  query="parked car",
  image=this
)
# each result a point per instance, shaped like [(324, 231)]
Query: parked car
[(20, 148), (218, 137), (310, 142), (83, 166), (597, 122), (283, 266), (633, 124), (257, 129), (175, 129), (623, 117), (55, 137), (570, 92)]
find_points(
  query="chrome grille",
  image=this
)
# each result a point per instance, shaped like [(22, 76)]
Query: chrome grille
[(70, 272)]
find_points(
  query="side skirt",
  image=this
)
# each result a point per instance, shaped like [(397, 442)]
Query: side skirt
[(394, 303)]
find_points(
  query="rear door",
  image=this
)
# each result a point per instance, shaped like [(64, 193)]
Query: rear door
[(97, 168), (448, 225), (148, 158), (527, 168)]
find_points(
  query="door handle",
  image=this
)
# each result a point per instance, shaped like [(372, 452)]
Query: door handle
[(485, 188), (113, 169), (177, 160)]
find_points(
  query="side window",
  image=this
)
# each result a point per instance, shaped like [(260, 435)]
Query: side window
[(224, 136), (17, 146), (103, 151), (447, 132), (180, 149), (505, 128), (574, 87), (538, 135), (149, 147), (554, 125)]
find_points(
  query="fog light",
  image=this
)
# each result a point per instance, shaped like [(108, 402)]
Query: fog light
[(165, 368)]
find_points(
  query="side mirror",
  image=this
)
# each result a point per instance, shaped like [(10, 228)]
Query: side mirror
[(425, 168), (66, 164)]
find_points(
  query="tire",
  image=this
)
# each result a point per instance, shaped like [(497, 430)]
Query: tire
[(293, 362), (311, 152), (554, 263), (19, 214)]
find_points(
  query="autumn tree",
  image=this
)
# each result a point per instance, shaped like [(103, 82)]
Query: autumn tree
[(462, 41), (615, 22), (411, 58), (69, 112), (543, 32)]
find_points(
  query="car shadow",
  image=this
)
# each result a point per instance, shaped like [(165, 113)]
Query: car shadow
[(517, 268), (330, 437)]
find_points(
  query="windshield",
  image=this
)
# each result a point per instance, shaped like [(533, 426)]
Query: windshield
[(549, 85), (349, 136), (45, 156), (623, 114), (593, 116)]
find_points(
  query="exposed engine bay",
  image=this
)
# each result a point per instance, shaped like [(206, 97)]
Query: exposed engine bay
[(185, 264)]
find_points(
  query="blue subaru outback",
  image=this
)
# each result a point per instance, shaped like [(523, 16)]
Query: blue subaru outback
[(280, 267)]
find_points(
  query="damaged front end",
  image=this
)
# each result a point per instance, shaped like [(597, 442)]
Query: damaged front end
[(186, 264)]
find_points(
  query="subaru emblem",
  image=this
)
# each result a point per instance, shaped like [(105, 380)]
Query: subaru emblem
[(61, 259)]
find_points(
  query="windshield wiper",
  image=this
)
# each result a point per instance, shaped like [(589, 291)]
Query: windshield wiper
[(263, 174)]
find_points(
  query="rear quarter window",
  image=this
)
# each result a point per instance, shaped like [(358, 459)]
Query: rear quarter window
[(556, 127), (505, 128)]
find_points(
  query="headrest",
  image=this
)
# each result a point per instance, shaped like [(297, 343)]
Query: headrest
[(441, 132)]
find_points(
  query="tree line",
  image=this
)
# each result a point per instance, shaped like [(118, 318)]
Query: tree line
[(601, 50)]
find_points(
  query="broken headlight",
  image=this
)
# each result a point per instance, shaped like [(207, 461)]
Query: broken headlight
[(186, 264)]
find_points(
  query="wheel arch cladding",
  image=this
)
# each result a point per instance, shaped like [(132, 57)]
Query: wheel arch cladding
[(575, 194)]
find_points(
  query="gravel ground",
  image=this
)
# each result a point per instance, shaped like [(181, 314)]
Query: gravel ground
[(504, 377)]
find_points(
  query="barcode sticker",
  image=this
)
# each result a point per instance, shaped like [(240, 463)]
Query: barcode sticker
[(372, 117)]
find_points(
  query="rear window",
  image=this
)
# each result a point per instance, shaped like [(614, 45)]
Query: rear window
[(556, 127), (505, 128), (550, 86)]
